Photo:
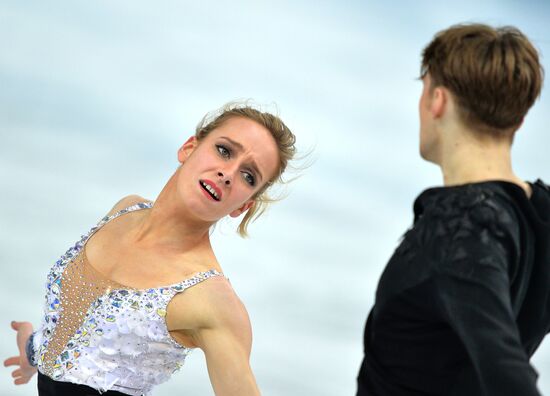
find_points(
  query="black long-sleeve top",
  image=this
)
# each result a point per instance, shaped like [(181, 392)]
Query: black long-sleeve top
[(464, 302)]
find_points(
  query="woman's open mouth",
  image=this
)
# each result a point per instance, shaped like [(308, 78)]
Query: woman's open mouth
[(210, 188)]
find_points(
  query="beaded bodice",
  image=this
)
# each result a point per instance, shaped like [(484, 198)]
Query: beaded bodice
[(105, 335)]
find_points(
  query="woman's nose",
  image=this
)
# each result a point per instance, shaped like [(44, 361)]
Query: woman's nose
[(224, 179)]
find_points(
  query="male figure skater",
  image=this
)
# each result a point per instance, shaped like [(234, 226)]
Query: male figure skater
[(464, 302)]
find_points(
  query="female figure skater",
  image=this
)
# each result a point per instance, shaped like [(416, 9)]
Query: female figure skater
[(127, 303), (465, 300)]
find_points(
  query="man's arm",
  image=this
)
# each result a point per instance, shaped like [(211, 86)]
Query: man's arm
[(473, 297)]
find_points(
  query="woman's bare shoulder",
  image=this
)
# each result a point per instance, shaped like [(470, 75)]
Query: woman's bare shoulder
[(213, 304), (227, 311), (224, 300), (125, 202)]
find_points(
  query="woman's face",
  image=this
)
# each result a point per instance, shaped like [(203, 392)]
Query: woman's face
[(220, 174)]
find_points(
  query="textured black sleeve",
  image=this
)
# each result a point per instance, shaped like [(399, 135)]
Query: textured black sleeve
[(472, 293)]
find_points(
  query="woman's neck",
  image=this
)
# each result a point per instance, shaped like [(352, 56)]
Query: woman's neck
[(168, 224)]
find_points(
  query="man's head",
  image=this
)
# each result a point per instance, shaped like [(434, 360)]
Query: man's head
[(492, 74)]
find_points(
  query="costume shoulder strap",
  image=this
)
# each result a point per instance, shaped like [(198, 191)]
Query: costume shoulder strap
[(196, 279), (106, 219)]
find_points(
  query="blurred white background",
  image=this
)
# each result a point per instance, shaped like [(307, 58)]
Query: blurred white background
[(96, 97)]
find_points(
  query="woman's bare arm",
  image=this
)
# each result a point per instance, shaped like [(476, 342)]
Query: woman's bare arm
[(220, 326)]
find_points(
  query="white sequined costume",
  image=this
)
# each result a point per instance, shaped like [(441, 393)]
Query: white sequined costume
[(99, 333)]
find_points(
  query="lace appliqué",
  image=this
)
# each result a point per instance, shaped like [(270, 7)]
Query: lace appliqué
[(446, 223)]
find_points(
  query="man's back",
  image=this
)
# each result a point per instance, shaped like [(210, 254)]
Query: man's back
[(465, 299)]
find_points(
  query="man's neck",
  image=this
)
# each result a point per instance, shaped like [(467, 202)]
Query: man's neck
[(465, 158)]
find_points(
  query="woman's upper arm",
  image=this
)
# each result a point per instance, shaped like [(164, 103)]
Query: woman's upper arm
[(226, 342)]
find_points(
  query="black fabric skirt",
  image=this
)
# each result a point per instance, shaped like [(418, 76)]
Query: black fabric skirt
[(49, 387)]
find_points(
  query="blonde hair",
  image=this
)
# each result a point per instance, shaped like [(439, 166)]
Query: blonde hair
[(284, 139)]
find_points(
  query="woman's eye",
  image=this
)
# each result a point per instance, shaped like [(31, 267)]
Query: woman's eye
[(249, 178), (224, 151)]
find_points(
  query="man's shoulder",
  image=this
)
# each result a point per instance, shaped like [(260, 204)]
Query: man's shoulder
[(467, 210), (461, 229)]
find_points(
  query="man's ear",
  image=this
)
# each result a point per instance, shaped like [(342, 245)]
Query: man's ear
[(242, 209), (187, 148), (439, 102)]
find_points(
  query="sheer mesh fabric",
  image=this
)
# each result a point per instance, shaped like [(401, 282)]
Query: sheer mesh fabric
[(81, 286)]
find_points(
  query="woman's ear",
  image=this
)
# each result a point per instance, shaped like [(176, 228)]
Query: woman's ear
[(187, 148), (242, 209)]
